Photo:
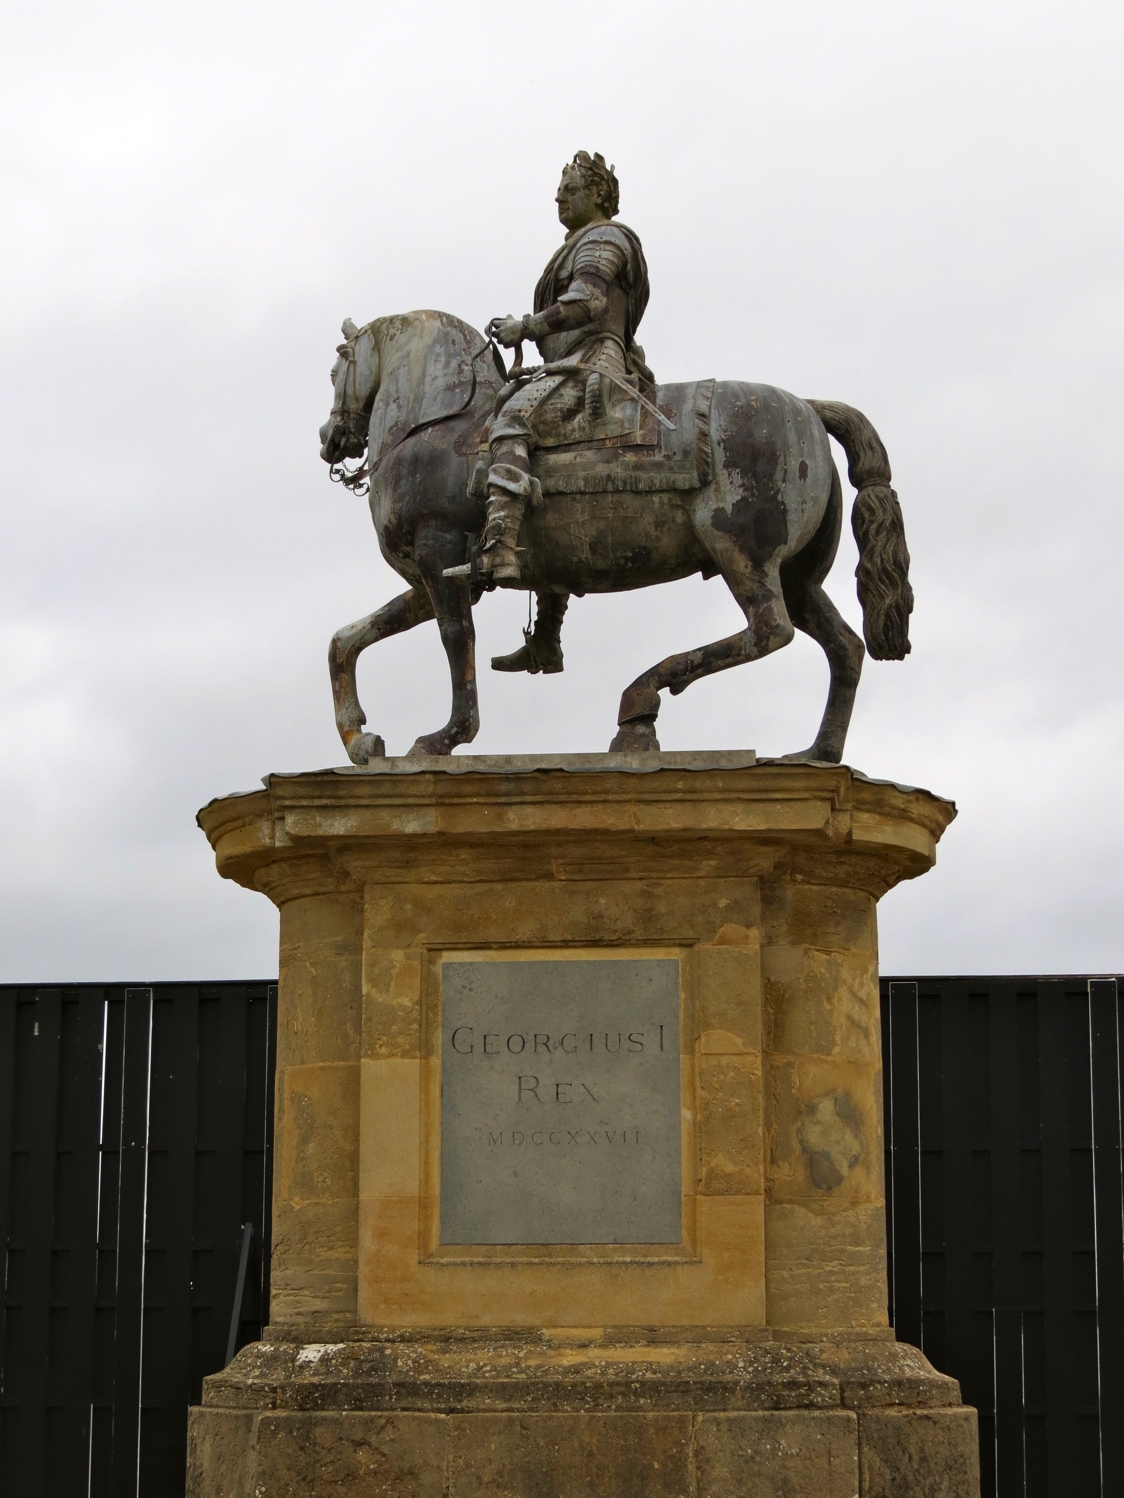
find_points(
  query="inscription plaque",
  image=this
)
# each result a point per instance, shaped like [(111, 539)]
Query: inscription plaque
[(560, 1101)]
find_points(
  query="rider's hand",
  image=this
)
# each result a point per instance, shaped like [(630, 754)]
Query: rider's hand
[(507, 330)]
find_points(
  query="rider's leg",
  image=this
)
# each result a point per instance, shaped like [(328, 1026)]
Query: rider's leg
[(509, 489), (509, 478), (543, 652)]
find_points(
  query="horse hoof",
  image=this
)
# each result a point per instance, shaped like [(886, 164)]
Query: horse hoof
[(638, 735), (812, 756), (431, 744), (365, 747)]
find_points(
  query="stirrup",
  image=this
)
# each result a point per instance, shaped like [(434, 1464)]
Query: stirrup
[(471, 568)]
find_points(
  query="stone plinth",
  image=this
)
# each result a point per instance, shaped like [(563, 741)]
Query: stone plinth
[(746, 1351)]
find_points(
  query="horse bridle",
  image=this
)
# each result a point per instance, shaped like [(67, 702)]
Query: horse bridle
[(356, 479), (349, 416)]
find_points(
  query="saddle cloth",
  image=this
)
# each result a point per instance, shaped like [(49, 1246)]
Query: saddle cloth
[(640, 455)]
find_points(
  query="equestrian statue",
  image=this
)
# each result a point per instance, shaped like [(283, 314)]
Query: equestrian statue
[(582, 474)]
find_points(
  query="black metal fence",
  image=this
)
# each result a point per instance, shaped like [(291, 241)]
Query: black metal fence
[(135, 1148), (1005, 1205), (135, 1140)]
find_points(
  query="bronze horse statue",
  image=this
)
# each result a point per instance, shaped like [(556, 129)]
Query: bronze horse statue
[(413, 392)]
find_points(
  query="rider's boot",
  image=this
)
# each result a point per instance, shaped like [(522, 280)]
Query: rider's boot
[(509, 489), (542, 648)]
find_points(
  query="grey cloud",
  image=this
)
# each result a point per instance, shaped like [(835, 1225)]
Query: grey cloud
[(913, 213)]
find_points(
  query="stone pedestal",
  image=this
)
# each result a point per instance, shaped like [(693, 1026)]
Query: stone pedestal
[(742, 1349)]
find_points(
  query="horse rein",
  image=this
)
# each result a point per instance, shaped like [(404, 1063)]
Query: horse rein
[(341, 411)]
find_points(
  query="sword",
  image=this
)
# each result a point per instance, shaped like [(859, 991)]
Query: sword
[(647, 404)]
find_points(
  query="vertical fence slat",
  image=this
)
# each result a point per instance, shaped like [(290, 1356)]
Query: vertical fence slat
[(8, 1415), (9, 1374), (105, 1302), (1108, 1176), (931, 1168), (168, 1326), (32, 1226), (133, 1170), (905, 1156), (887, 1032), (72, 1351), (1006, 1256), (980, 1372), (220, 1182), (957, 1184), (261, 1010), (1069, 1266), (265, 1190)]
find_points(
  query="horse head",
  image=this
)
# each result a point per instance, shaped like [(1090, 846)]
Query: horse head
[(355, 382)]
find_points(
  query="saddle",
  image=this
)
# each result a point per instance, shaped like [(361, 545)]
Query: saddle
[(617, 445)]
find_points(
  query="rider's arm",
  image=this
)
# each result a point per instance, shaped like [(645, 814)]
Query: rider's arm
[(596, 267)]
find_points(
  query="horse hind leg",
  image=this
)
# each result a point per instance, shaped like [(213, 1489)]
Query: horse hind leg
[(347, 645), (768, 628), (814, 613)]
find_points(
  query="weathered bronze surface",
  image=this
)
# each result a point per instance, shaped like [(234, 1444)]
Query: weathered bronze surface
[(584, 475)]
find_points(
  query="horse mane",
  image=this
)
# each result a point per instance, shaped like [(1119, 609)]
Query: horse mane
[(425, 325), (433, 366)]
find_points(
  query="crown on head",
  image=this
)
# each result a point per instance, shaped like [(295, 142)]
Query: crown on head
[(606, 176)]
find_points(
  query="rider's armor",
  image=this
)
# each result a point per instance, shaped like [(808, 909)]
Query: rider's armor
[(599, 269), (603, 266)]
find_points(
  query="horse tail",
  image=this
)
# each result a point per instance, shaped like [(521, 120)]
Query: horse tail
[(883, 570)]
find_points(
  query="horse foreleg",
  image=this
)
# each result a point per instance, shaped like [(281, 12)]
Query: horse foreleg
[(814, 613), (347, 645), (768, 628), (451, 602)]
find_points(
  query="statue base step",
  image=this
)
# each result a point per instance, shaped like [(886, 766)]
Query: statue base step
[(494, 1414)]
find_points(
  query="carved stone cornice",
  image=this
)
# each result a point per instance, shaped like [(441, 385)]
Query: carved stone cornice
[(509, 820)]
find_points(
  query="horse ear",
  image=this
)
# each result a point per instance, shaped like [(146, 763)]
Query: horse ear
[(348, 329)]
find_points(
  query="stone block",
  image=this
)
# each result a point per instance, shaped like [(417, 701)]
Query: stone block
[(350, 1454), (392, 981), (730, 995), (818, 915), (823, 1121), (320, 1000), (544, 912), (389, 1125), (398, 1288), (730, 1125), (825, 1269), (319, 1143), (889, 1374), (564, 1456), (821, 1003), (220, 1453), (930, 1453), (778, 1454), (314, 1265)]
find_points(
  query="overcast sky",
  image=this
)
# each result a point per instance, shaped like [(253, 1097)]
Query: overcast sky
[(913, 209)]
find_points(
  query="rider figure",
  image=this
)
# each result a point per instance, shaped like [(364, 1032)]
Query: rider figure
[(588, 305)]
